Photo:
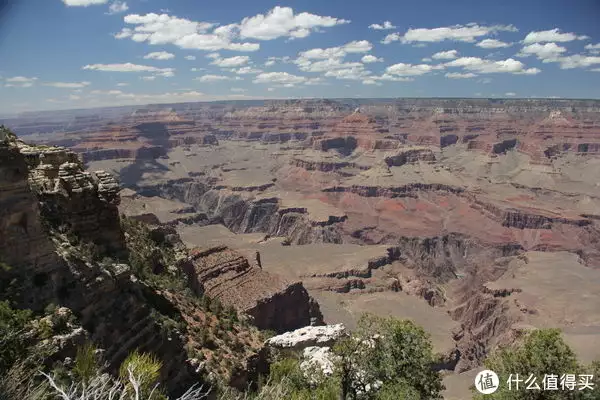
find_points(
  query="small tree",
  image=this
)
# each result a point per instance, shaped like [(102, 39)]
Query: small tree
[(541, 352), (385, 356)]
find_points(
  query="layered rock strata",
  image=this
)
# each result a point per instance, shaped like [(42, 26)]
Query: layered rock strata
[(273, 303)]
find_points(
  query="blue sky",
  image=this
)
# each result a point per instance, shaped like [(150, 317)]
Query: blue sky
[(60, 54)]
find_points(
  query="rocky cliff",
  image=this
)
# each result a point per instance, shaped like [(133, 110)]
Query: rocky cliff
[(235, 280), (62, 242)]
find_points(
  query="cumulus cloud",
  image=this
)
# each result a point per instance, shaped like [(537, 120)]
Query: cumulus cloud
[(492, 44), (83, 3), (459, 33), (385, 26), (117, 7), (148, 78), (482, 66), (593, 48), (151, 98), (159, 55), (230, 62), (371, 81), (20, 81), (129, 67), (282, 22), (280, 78), (165, 29), (246, 70), (391, 78), (67, 85), (576, 61), (273, 60), (353, 73), (552, 35), (370, 59), (445, 55), (190, 58), (215, 78), (459, 75), (402, 69), (357, 46), (332, 58), (510, 94), (122, 84), (392, 37), (547, 51)]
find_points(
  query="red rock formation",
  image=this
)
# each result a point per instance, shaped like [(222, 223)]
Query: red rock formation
[(274, 303)]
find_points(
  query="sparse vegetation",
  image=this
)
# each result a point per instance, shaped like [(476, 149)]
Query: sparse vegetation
[(541, 352)]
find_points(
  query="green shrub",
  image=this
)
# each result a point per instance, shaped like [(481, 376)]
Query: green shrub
[(13, 324)]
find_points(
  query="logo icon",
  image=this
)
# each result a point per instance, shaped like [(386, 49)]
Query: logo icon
[(487, 382)]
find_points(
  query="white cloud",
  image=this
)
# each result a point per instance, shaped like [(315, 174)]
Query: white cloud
[(238, 90), (246, 71), (370, 59), (553, 35), (391, 78), (357, 46), (353, 73), (445, 55), (510, 94), (83, 3), (215, 78), (542, 51), (392, 37), (326, 65), (106, 92), (482, 66), (426, 59), (593, 48), (332, 58), (492, 44), (122, 84), (148, 78), (74, 97), (402, 69), (282, 78), (20, 81), (230, 62), (68, 85), (282, 22), (117, 7), (371, 82), (576, 61), (165, 29), (460, 33), (385, 26), (151, 98), (197, 69), (459, 75), (595, 70), (159, 55), (214, 56), (129, 67), (190, 58), (273, 60)]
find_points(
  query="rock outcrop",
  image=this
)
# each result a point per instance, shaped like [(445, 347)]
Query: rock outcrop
[(233, 279), (310, 336)]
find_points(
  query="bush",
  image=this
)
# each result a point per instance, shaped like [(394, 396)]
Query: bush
[(146, 367), (541, 352), (13, 324)]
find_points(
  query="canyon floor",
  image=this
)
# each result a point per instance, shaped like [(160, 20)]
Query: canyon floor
[(477, 222)]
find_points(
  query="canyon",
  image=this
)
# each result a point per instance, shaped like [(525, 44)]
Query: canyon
[(478, 219)]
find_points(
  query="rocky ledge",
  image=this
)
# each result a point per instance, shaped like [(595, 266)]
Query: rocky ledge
[(272, 302)]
